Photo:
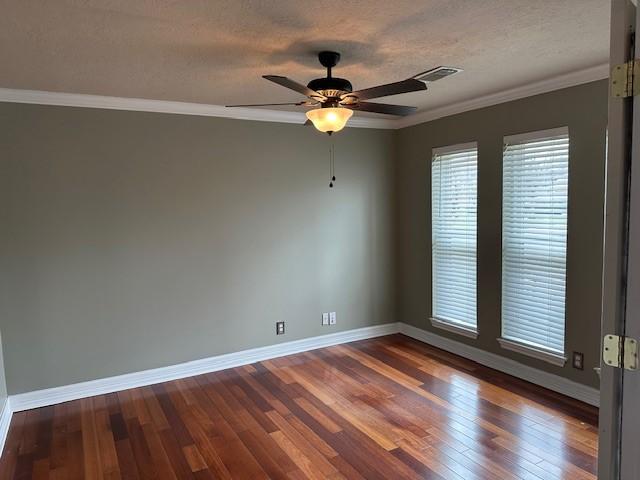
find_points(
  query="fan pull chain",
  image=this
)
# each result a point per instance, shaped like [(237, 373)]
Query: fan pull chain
[(332, 165)]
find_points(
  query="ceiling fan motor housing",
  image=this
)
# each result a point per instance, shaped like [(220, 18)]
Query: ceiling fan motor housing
[(330, 87)]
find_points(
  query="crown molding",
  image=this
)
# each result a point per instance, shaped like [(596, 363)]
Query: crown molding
[(40, 97), (598, 72)]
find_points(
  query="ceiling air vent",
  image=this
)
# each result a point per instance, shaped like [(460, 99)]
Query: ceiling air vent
[(437, 73)]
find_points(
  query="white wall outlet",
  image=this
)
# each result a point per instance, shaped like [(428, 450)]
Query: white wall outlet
[(325, 319), (332, 318)]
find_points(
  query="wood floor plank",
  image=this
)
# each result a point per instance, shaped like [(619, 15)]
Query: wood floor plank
[(267, 453), (177, 457), (106, 444), (126, 460), (383, 408)]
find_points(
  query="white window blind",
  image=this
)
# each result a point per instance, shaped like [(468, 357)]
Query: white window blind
[(454, 179), (534, 238)]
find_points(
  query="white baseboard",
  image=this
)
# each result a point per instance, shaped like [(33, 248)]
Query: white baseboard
[(52, 396), (5, 421), (511, 367)]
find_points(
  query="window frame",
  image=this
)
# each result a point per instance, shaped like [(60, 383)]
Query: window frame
[(459, 328), (530, 349)]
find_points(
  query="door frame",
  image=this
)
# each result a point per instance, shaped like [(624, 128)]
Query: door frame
[(614, 269), (630, 417)]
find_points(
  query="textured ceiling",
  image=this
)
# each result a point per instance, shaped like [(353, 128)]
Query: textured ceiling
[(215, 51)]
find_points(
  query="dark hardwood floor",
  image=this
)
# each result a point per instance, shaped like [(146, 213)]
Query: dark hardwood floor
[(387, 408)]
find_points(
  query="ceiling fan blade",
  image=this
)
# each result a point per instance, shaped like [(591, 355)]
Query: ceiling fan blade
[(293, 85), (271, 104), (405, 86), (401, 110)]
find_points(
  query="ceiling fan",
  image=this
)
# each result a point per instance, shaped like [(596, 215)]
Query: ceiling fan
[(336, 99)]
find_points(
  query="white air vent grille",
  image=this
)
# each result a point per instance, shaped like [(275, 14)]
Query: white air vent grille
[(437, 73)]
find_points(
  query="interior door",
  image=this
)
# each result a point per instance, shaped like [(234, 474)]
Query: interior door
[(630, 417), (618, 456)]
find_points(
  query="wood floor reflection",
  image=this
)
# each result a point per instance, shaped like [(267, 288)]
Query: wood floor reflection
[(386, 408)]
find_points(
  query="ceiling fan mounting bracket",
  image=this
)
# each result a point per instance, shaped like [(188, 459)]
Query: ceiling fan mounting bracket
[(330, 87), (328, 59)]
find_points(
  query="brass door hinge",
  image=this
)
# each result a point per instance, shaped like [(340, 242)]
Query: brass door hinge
[(620, 352), (625, 79)]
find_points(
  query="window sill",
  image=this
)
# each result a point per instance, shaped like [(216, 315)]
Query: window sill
[(452, 327), (530, 351)]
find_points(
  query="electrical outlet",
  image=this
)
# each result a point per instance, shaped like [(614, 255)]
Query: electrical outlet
[(279, 328), (332, 318), (325, 319), (578, 360)]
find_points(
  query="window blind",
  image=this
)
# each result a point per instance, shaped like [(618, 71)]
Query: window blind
[(454, 178), (534, 238)]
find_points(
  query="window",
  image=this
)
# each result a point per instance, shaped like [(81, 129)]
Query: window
[(454, 180), (534, 243)]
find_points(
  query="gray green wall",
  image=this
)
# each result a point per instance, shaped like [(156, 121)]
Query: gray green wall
[(584, 110), (3, 384), (137, 240)]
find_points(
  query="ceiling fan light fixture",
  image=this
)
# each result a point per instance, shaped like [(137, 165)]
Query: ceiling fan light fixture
[(329, 119)]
